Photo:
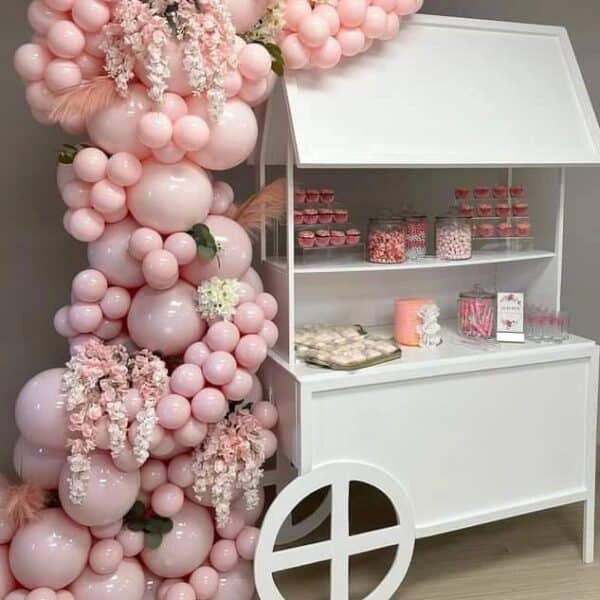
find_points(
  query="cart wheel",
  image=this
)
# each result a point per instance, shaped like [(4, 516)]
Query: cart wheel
[(279, 477), (341, 545)]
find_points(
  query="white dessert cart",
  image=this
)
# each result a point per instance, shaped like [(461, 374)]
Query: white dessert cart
[(462, 434)]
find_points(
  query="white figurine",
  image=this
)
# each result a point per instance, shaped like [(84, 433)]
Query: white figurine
[(429, 329)]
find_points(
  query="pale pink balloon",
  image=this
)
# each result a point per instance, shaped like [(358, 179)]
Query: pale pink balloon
[(90, 15), (330, 14), (232, 137), (50, 539), (93, 44), (160, 269), (153, 474), (252, 515), (328, 55), (165, 320), (237, 584), (86, 225), (313, 30), (60, 5), (224, 556), (76, 194), (178, 81), (115, 303), (15, 594), (108, 329), (249, 318), (64, 595), (127, 581), (239, 387), (190, 133), (155, 130), (110, 492), (124, 169), (89, 285), (392, 25), (40, 411), (84, 317), (7, 580), (41, 17), (143, 241), (408, 7), (254, 62), (174, 106), (38, 465), (165, 586), (106, 556), (233, 83), (252, 278), (109, 254), (186, 546), (107, 531), (167, 448), (171, 198), (374, 25), (167, 500), (89, 66), (126, 460), (245, 14), (132, 542), (187, 380), (65, 39), (133, 403), (106, 197), (116, 215), (270, 442), (253, 91), (209, 405), (181, 591), (246, 542), (61, 322), (40, 99), (197, 353), (173, 411), (295, 12), (180, 471), (235, 255), (251, 351), (234, 526), (205, 581), (169, 154), (182, 246), (73, 124), (352, 13), (295, 54), (351, 41), (219, 368), (62, 74), (152, 584), (222, 335), (269, 333), (42, 593), (191, 434), (114, 128), (266, 414), (268, 304), (222, 198)]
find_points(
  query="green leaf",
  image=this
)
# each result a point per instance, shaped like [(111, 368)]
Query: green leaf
[(166, 525), (277, 68), (135, 524), (136, 511), (205, 242), (67, 154), (152, 540)]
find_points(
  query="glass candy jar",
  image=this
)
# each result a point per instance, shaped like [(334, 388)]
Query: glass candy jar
[(416, 237), (387, 240), (453, 237), (476, 315)]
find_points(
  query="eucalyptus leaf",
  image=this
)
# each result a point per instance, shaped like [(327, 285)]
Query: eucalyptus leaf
[(136, 511), (153, 525), (205, 242), (136, 525), (166, 525), (152, 540)]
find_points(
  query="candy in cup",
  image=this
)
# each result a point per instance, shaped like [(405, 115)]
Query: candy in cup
[(477, 313)]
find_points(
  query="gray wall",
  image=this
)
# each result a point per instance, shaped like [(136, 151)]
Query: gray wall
[(38, 260)]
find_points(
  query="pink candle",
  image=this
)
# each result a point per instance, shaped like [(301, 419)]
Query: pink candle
[(406, 320)]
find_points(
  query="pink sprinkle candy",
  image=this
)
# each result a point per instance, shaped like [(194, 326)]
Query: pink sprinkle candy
[(387, 246)]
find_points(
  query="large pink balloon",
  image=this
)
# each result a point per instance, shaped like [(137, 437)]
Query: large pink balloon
[(110, 493), (186, 547), (245, 14), (252, 278), (178, 79), (114, 128), (232, 137), (7, 580), (165, 320), (234, 258), (237, 584), (50, 551), (110, 255), (37, 465), (170, 198), (127, 582), (40, 410)]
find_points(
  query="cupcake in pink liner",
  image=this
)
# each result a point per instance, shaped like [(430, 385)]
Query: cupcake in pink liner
[(485, 230), (298, 217), (325, 216), (352, 237), (322, 237), (520, 209), (466, 210), (327, 196), (313, 196), (482, 196), (306, 239), (504, 229), (501, 197), (340, 215), (523, 229), (300, 196), (338, 238), (462, 194), (311, 216)]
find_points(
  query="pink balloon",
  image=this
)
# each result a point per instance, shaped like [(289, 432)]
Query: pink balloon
[(245, 14), (93, 44), (408, 7), (40, 98), (295, 12), (61, 322), (249, 318), (114, 128), (186, 546), (313, 30), (252, 278), (174, 106), (250, 516), (152, 584), (233, 83), (86, 225), (181, 591), (89, 66), (65, 39), (269, 333), (38, 465), (173, 411), (254, 62), (205, 581), (268, 304), (64, 595), (84, 317), (40, 411), (180, 471), (222, 198), (107, 531), (143, 241), (234, 526), (374, 25), (108, 329), (89, 285), (115, 303), (224, 556), (160, 269), (16, 594), (155, 130), (392, 25), (110, 493), (126, 460), (106, 556), (171, 198), (62, 74), (352, 13), (132, 542), (116, 215), (127, 581), (7, 580), (246, 542), (252, 92), (235, 255), (239, 387), (266, 413), (178, 81), (182, 246), (351, 41), (187, 380), (191, 133), (330, 14), (165, 320), (124, 169), (328, 55), (51, 539), (169, 154), (76, 194), (222, 335), (42, 593), (251, 351), (106, 197), (167, 448), (167, 500), (90, 15), (209, 405), (237, 584), (232, 138), (31, 60), (41, 16), (196, 354), (90, 165), (153, 474), (270, 442), (246, 293), (73, 124), (219, 368), (60, 5)]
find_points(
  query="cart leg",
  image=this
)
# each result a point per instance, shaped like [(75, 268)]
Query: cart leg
[(588, 530)]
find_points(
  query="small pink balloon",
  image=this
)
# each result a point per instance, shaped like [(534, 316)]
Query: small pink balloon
[(205, 581), (73, 124), (61, 323), (252, 278), (108, 329), (209, 405), (181, 591), (167, 500), (84, 317), (116, 215), (178, 80), (253, 515), (38, 465), (167, 448), (124, 169), (328, 55), (86, 225), (313, 30), (89, 285), (90, 66), (270, 442), (127, 581), (351, 41), (64, 595), (143, 241), (133, 403), (234, 526), (40, 99), (197, 353), (76, 194), (180, 471), (62, 74), (224, 555), (65, 39), (253, 91), (155, 130), (330, 14), (295, 12), (174, 106), (90, 15), (115, 303), (268, 304), (153, 474), (219, 368), (270, 333), (254, 62), (190, 133), (15, 594), (7, 580), (251, 351), (169, 154), (107, 531), (60, 5), (106, 556), (239, 387), (41, 17), (232, 83), (126, 460), (249, 318), (109, 254), (408, 7), (266, 414), (222, 198), (93, 44), (247, 541), (352, 13), (187, 380), (173, 411), (42, 593), (222, 335), (392, 25), (182, 246), (132, 542), (374, 25), (245, 14), (257, 393), (106, 197), (160, 269)]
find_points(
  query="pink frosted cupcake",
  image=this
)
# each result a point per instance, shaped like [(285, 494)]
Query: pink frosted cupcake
[(340, 215), (306, 239), (327, 196), (352, 237), (298, 217), (338, 238), (322, 237), (523, 229), (311, 216), (466, 210), (313, 196), (300, 196), (325, 216), (485, 230), (504, 230), (520, 209)]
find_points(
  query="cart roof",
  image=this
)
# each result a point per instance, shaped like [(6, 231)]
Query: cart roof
[(446, 92)]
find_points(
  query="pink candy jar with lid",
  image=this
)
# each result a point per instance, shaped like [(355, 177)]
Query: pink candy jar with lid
[(501, 198), (453, 237), (520, 207), (476, 315), (482, 197), (387, 240)]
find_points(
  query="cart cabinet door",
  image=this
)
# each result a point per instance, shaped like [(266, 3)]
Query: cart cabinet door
[(470, 447)]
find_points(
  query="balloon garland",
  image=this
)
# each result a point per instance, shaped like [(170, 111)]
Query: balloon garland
[(140, 462)]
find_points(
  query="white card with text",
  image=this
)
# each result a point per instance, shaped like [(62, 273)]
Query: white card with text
[(510, 326)]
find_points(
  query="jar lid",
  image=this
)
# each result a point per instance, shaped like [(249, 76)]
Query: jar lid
[(477, 292)]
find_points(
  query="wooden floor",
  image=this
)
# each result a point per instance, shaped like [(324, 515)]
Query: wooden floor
[(535, 557)]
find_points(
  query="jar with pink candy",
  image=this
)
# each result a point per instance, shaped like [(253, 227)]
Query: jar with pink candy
[(477, 313), (453, 237), (416, 237), (387, 240)]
